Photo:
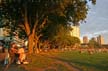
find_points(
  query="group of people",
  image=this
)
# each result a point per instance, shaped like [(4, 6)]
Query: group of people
[(17, 54)]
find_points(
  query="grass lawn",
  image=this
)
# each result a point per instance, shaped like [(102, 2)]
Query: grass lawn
[(51, 62), (85, 61), (44, 63)]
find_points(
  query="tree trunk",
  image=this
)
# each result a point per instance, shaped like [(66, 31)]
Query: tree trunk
[(29, 33), (36, 44), (31, 43), (36, 47)]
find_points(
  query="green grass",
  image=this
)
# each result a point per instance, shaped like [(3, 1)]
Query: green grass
[(43, 61), (39, 61), (85, 61)]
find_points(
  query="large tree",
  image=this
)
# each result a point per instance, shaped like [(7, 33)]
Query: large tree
[(32, 15)]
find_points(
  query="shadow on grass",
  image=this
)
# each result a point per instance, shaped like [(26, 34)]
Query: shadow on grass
[(12, 67)]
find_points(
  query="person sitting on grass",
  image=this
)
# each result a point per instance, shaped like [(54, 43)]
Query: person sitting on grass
[(22, 56), (13, 51)]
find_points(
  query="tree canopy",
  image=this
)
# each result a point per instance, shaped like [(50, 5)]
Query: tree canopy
[(32, 16)]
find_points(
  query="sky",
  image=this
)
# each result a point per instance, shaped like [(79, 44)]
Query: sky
[(96, 21)]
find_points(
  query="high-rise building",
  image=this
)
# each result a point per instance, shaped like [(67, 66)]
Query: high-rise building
[(75, 31), (85, 40), (100, 39), (4, 33), (1, 31), (94, 39)]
